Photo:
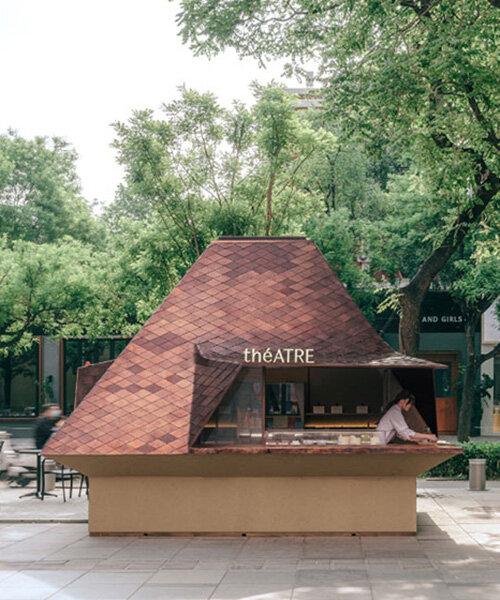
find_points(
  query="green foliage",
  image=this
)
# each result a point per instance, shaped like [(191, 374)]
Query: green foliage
[(475, 275), (40, 198), (424, 72), (458, 466), (417, 77), (335, 236), (44, 288), (206, 171), (142, 267), (405, 229)]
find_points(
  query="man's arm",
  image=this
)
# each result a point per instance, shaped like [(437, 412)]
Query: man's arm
[(423, 436)]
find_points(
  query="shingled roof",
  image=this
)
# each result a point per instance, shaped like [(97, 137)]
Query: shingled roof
[(242, 292)]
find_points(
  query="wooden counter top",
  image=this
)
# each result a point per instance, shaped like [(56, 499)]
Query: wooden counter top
[(405, 449)]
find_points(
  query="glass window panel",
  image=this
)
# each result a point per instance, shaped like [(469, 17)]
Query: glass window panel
[(72, 359), (19, 384), (496, 394), (285, 405), (79, 351), (118, 345), (443, 381), (496, 378), (238, 420)]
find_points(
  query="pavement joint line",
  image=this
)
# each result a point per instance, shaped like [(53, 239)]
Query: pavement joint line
[(43, 520)]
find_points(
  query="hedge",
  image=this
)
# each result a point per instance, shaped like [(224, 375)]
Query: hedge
[(458, 466)]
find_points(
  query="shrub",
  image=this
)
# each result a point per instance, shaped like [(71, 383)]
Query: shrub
[(458, 466)]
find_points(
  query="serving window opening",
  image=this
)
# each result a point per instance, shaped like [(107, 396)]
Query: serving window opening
[(307, 406)]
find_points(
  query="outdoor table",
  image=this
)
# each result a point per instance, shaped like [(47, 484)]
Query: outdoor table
[(39, 476)]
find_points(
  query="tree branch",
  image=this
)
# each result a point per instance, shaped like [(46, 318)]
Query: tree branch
[(490, 354), (440, 256), (491, 135)]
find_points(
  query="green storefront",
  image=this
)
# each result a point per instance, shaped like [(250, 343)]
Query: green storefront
[(442, 339)]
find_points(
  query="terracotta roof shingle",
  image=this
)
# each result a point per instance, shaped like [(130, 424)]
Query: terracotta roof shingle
[(241, 293)]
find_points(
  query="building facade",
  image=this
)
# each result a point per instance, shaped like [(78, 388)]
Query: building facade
[(490, 337)]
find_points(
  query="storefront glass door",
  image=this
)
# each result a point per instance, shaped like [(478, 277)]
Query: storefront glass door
[(444, 383)]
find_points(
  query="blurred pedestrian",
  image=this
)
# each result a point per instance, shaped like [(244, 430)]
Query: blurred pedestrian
[(46, 424)]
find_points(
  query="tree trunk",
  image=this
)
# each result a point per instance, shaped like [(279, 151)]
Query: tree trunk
[(7, 381), (409, 325), (269, 203), (471, 366), (412, 295)]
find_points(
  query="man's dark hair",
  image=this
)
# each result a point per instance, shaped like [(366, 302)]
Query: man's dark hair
[(402, 395)]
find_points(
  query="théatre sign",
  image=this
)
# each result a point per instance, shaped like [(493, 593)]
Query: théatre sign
[(281, 355)]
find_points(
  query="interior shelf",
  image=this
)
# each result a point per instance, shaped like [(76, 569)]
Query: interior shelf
[(344, 414)]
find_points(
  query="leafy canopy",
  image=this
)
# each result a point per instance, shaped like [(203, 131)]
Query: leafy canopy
[(40, 198), (421, 73)]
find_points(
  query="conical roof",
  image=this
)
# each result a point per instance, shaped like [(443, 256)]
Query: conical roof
[(241, 293)]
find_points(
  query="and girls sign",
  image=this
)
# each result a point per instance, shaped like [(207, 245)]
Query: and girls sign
[(279, 356)]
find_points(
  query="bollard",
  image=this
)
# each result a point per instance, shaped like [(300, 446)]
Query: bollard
[(50, 476), (477, 474)]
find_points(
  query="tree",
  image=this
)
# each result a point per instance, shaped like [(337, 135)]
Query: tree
[(40, 197), (44, 289), (140, 269), (206, 171), (419, 73), (476, 286), (337, 238), (401, 234)]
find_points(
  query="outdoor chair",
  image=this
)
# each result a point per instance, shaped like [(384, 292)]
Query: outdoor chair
[(63, 474), (69, 474)]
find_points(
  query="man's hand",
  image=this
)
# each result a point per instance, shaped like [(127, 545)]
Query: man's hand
[(406, 404)]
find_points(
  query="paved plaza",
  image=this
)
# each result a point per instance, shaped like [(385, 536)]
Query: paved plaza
[(455, 555)]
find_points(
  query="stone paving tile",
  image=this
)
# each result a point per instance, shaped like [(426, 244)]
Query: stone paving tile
[(35, 585), (455, 555), (7, 573), (96, 591), (314, 563), (466, 592), (36, 577), (411, 590), (336, 592), (171, 592), (185, 577), (322, 578), (280, 564), (381, 576), (249, 576), (244, 563), (470, 576), (180, 564), (99, 577), (348, 563), (14, 507), (40, 592), (207, 565), (253, 591)]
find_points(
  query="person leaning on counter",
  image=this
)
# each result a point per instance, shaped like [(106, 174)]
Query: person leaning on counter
[(393, 421)]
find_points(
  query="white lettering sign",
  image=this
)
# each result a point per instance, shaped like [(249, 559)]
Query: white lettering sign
[(281, 355), (444, 319)]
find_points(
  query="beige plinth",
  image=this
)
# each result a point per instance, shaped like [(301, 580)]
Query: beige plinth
[(237, 505), (345, 490)]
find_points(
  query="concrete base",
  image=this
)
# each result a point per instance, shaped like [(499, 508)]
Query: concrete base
[(238, 505)]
